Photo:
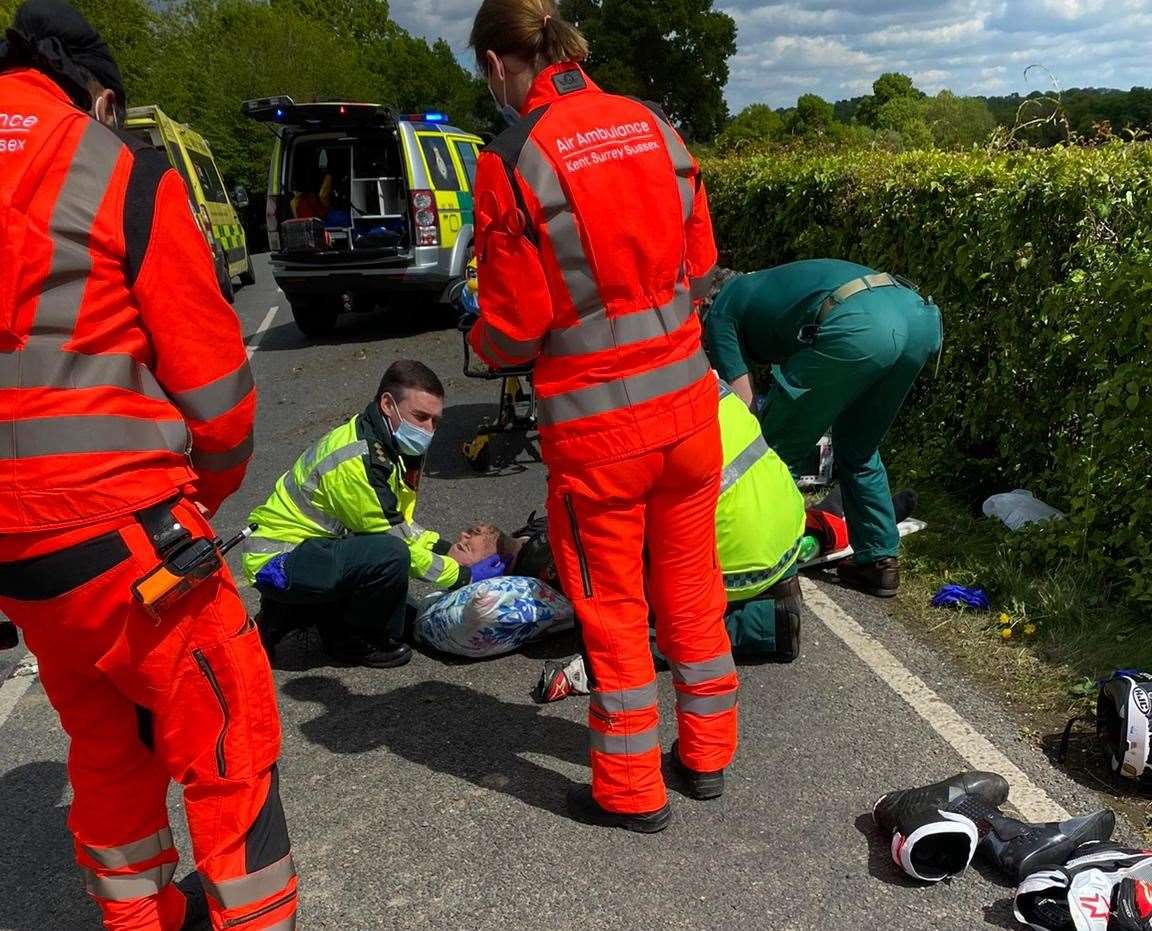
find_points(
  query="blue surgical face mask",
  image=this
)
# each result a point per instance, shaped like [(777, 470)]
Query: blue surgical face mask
[(411, 439)]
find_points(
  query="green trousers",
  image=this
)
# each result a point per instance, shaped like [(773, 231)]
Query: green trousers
[(754, 627), (854, 377)]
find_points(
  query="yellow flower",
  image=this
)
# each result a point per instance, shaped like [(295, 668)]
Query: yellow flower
[(1030, 630), (1004, 619), (1006, 633)]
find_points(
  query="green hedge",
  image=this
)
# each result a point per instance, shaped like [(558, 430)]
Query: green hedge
[(1041, 263)]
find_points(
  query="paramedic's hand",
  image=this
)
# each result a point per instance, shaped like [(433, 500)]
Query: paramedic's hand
[(490, 568)]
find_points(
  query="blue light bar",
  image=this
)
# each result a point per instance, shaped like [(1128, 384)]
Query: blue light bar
[(434, 117)]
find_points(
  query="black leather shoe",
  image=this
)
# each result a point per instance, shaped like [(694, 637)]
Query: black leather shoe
[(701, 786), (356, 651), (880, 578), (585, 809)]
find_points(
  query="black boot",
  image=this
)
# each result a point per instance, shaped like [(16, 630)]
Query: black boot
[(1019, 849), (701, 786), (347, 645), (788, 608), (931, 837), (275, 621), (585, 809), (880, 578)]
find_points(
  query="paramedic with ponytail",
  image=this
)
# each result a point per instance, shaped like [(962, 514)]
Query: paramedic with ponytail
[(593, 241)]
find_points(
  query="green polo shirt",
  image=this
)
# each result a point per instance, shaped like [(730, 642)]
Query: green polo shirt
[(756, 318)]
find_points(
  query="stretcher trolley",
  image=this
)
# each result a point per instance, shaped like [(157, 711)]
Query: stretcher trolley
[(516, 411)]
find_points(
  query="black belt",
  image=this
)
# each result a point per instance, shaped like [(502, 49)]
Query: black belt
[(43, 578)]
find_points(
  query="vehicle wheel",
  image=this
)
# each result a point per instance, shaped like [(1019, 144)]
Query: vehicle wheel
[(478, 453), (225, 279), (248, 276), (314, 318)]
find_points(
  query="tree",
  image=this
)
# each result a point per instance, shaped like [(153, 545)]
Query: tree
[(957, 122), (888, 87), (813, 116), (755, 124), (673, 52)]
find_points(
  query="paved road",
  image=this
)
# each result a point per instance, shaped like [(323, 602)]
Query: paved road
[(431, 797)]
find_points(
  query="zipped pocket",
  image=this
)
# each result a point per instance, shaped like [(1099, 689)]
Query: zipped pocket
[(214, 684), (581, 556), (260, 913)]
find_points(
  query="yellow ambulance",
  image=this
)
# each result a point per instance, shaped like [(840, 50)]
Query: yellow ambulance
[(190, 155)]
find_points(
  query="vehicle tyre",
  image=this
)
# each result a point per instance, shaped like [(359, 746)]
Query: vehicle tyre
[(225, 278), (248, 276), (314, 318)]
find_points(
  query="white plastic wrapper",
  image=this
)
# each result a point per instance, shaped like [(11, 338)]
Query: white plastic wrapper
[(1019, 508), (492, 618)]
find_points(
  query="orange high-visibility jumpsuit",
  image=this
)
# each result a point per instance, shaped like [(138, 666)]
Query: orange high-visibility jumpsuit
[(593, 240), (125, 397)]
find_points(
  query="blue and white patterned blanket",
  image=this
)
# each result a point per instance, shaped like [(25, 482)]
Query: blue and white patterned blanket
[(493, 618)]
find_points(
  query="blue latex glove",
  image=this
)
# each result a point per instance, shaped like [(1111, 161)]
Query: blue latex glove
[(273, 575), (490, 568), (958, 596)]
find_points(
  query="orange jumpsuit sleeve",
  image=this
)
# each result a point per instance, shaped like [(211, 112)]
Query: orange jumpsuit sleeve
[(515, 303), (200, 358), (702, 255)]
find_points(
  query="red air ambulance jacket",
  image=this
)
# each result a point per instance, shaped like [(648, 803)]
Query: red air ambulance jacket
[(593, 241), (123, 374)]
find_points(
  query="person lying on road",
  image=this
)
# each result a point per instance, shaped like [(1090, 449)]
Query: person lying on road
[(336, 541)]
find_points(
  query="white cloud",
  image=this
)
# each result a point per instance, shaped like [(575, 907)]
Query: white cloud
[(836, 48)]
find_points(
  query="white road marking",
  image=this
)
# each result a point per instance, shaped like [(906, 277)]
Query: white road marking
[(1033, 803), (12, 690), (254, 340)]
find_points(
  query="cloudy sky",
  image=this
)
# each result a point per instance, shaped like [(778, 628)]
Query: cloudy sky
[(836, 48)]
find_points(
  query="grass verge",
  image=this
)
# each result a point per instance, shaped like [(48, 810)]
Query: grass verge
[(1065, 634)]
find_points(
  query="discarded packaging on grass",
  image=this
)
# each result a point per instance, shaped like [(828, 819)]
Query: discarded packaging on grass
[(1019, 508)]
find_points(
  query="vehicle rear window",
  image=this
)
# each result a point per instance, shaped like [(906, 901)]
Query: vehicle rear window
[(209, 178), (440, 168), (467, 153)]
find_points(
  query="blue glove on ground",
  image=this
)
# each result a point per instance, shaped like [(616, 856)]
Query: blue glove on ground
[(490, 568), (959, 596)]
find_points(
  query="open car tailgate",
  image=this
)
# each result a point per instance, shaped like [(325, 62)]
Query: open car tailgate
[(284, 111)]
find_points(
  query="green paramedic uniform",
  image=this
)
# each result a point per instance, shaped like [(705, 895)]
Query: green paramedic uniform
[(759, 523), (845, 345)]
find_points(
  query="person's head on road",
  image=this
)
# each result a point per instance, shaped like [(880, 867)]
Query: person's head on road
[(514, 40), (481, 541), (411, 398), (55, 39)]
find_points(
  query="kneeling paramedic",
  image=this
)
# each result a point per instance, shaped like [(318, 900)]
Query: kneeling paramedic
[(121, 427), (759, 524), (845, 344), (337, 536)]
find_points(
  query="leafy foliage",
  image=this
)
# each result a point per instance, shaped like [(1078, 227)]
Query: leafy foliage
[(1041, 262), (674, 52), (200, 59)]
